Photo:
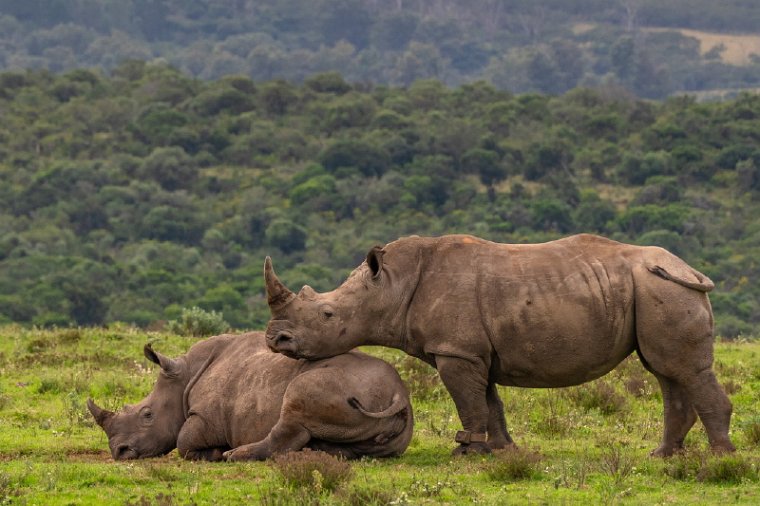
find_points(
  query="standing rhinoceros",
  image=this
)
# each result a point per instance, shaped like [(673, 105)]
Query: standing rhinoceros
[(529, 315), (231, 397)]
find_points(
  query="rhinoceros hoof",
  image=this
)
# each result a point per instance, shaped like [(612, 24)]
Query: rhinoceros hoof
[(502, 445), (472, 449), (238, 455), (665, 451), (721, 448)]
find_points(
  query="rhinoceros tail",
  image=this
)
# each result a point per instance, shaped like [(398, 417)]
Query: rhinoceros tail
[(397, 405), (703, 283)]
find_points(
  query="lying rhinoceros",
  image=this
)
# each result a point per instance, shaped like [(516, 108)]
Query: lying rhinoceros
[(527, 315), (231, 397)]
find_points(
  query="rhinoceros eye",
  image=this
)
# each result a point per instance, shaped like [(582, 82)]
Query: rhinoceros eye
[(146, 415), (326, 312)]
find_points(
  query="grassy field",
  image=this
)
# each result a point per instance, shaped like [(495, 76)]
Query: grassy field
[(586, 444)]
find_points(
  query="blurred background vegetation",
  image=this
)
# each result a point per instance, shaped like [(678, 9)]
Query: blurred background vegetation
[(233, 130), (653, 47)]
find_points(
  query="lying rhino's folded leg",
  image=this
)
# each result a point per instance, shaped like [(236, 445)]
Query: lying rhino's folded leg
[(195, 441), (207, 454), (467, 382), (285, 436)]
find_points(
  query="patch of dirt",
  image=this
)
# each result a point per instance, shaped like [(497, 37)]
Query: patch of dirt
[(88, 456), (737, 48)]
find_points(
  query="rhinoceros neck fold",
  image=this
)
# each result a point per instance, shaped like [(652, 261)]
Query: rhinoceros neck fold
[(396, 331)]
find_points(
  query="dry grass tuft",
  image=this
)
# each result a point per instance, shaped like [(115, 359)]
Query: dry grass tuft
[(513, 465), (315, 470), (705, 467)]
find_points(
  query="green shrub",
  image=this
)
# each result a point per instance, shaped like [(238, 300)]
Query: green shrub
[(704, 467), (513, 465), (312, 469), (684, 466), (49, 385), (198, 322), (752, 432), (598, 395), (728, 469), (616, 462)]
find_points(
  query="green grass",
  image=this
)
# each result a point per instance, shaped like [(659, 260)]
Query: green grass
[(587, 444)]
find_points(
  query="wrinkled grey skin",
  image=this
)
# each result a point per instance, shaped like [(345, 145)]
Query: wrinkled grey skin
[(531, 315), (231, 398)]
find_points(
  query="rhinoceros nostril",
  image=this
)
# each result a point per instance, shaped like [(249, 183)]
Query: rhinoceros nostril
[(124, 452), (283, 338)]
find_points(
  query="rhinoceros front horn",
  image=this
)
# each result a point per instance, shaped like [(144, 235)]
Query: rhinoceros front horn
[(277, 294), (102, 416)]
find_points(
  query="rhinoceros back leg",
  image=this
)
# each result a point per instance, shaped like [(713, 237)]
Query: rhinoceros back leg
[(498, 435), (679, 416), (674, 331), (285, 436), (467, 382)]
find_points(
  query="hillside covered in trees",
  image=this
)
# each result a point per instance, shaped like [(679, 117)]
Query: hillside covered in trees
[(654, 48), (127, 196)]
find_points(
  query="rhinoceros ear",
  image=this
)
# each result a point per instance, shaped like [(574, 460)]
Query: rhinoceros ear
[(169, 365), (101, 416), (375, 261)]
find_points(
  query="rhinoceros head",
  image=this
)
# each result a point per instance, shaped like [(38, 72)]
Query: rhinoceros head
[(150, 427), (315, 325)]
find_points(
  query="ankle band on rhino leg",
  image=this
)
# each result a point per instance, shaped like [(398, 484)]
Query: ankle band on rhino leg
[(466, 437)]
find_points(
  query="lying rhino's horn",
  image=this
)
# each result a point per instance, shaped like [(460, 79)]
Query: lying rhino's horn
[(101, 416), (277, 294), (169, 365)]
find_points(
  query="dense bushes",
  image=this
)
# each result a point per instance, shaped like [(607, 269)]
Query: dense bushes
[(541, 46), (151, 191)]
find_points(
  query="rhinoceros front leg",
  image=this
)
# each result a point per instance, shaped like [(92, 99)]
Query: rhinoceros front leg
[(467, 382), (498, 435), (196, 441)]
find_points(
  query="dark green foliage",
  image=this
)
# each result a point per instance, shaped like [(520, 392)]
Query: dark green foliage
[(328, 82), (521, 46), (346, 157), (593, 214), (196, 322), (639, 219), (752, 432), (148, 191)]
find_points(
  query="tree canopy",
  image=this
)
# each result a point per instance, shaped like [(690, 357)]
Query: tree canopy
[(131, 195), (651, 47)]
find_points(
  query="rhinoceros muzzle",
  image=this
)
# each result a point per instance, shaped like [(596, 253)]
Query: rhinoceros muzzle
[(124, 452), (283, 342)]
